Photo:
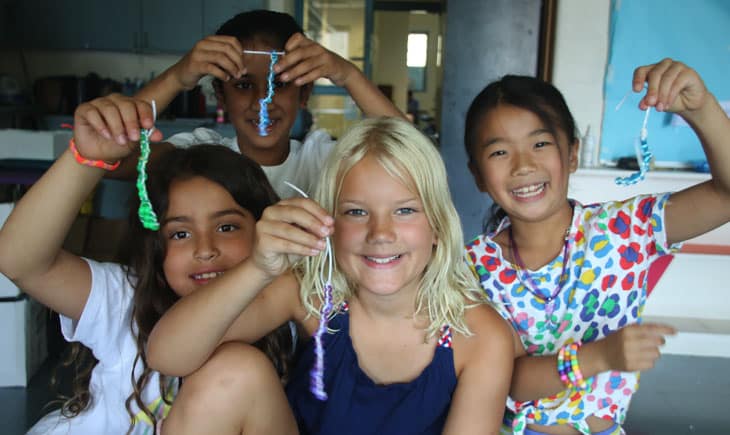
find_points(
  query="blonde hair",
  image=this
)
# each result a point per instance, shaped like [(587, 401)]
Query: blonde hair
[(447, 285)]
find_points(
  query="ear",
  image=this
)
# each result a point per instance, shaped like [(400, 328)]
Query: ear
[(573, 155), (304, 93), (474, 169)]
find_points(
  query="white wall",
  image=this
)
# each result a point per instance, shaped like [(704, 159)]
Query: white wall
[(390, 39), (580, 57)]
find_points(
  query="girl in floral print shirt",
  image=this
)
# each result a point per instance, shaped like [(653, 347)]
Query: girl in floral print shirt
[(570, 277)]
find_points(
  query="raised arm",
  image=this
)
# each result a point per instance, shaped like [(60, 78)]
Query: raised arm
[(31, 239), (485, 362), (250, 300), (306, 61), (674, 87)]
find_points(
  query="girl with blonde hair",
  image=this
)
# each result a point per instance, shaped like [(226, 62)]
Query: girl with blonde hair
[(409, 346)]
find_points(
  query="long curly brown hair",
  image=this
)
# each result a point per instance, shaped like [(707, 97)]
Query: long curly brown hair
[(144, 253)]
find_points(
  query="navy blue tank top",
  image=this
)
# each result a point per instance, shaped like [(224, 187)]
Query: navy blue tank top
[(358, 406)]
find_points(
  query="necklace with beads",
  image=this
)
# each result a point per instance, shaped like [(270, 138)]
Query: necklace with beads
[(531, 286)]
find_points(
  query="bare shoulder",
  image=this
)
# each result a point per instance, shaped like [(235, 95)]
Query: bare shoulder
[(491, 337)]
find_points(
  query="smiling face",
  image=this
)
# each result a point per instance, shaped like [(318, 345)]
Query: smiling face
[(205, 233), (383, 240), (522, 165), (240, 99)]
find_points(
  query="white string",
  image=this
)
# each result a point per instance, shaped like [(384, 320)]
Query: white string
[(328, 250), (268, 53)]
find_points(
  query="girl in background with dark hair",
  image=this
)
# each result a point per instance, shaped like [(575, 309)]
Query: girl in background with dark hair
[(571, 278), (208, 199)]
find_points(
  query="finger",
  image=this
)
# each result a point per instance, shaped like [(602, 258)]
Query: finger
[(213, 70), (307, 219), (130, 118), (112, 118), (224, 55), (653, 79), (303, 68), (295, 41), (658, 328), (90, 115), (296, 52), (289, 235), (145, 114), (667, 86), (312, 207)]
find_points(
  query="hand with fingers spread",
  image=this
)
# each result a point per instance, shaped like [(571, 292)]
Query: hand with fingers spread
[(216, 55), (671, 86), (295, 226), (108, 128), (635, 347), (306, 61)]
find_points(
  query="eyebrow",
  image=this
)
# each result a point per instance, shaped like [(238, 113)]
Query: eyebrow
[(216, 215), (358, 203), (533, 133)]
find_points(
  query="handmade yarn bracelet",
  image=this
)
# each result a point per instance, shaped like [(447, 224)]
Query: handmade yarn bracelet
[(146, 214), (88, 162), (264, 120), (644, 154), (316, 374), (568, 367)]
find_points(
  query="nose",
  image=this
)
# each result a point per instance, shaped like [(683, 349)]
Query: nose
[(380, 229), (523, 163), (205, 249)]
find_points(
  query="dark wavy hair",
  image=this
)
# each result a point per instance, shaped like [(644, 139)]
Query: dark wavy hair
[(144, 254), (526, 92)]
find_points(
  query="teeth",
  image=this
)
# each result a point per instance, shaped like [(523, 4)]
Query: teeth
[(383, 260), (529, 191), (207, 275)]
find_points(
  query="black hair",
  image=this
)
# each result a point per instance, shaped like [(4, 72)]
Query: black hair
[(526, 92), (275, 28)]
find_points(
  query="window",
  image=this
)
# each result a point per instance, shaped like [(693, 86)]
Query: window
[(416, 59)]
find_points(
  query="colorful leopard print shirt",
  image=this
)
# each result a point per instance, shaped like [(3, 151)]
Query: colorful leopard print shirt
[(610, 248)]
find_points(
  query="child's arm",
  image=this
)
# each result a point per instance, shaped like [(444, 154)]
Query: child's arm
[(248, 301), (485, 361), (674, 87), (632, 348), (31, 239), (306, 61), (217, 55)]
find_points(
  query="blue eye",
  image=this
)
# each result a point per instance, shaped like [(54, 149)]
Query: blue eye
[(405, 211), (355, 212)]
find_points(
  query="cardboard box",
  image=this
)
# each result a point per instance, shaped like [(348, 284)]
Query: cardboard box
[(23, 339)]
